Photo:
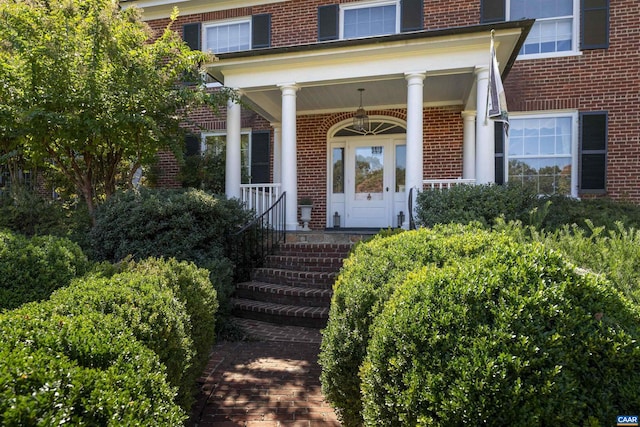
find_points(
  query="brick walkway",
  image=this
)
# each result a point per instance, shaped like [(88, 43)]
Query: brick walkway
[(271, 380)]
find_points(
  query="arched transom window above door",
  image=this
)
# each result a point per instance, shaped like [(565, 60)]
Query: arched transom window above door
[(376, 127)]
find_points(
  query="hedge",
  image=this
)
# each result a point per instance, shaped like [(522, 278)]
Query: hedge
[(515, 337), (189, 225), (367, 280), (32, 268), (86, 369), (152, 311)]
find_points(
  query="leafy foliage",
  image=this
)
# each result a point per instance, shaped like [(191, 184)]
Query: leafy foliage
[(189, 225), (367, 280), (90, 93), (515, 337), (86, 369), (31, 269), (148, 308), (470, 203)]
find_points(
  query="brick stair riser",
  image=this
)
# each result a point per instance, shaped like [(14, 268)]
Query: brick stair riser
[(300, 279), (284, 298), (315, 250), (321, 265), (308, 317)]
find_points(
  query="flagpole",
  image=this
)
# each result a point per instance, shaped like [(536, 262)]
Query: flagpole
[(491, 53)]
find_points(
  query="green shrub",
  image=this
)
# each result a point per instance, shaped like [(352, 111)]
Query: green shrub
[(189, 225), (368, 278), (612, 252), (86, 369), (192, 286), (25, 212), (515, 337), (474, 203), (30, 269), (152, 311), (601, 212)]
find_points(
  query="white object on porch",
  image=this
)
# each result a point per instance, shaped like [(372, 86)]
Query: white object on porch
[(260, 197), (440, 184)]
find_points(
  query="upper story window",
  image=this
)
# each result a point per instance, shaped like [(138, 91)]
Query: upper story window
[(562, 27), (228, 36), (556, 25), (369, 18), (366, 20)]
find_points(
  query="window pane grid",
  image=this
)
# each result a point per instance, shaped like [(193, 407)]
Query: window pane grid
[(369, 21), (540, 154), (553, 30), (228, 37)]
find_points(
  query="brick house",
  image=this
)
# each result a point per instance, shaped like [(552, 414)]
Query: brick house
[(420, 71)]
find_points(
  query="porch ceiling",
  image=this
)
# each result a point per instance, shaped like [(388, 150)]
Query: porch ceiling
[(330, 74)]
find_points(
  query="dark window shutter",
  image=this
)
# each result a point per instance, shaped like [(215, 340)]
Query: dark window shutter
[(328, 22), (412, 15), (191, 145), (593, 152), (260, 31), (499, 150), (492, 11), (191, 35), (594, 27), (260, 157)]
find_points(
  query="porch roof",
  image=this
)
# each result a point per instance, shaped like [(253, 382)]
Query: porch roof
[(329, 73)]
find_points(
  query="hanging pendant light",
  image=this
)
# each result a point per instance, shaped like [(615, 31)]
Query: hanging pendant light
[(361, 120)]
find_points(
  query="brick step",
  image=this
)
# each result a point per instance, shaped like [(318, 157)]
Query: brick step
[(282, 294), (322, 250), (311, 317), (304, 263), (302, 279)]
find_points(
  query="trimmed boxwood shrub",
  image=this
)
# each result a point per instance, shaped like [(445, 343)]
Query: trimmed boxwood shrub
[(86, 369), (192, 286), (149, 307), (367, 280), (32, 268), (189, 225), (515, 337), (475, 203)]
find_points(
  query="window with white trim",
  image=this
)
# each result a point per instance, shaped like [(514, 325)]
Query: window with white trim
[(542, 152), (369, 19), (555, 30), (216, 143), (227, 36)]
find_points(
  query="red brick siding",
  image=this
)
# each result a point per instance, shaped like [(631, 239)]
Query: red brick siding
[(597, 80), (603, 79)]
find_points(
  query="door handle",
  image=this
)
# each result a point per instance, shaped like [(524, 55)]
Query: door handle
[(387, 188)]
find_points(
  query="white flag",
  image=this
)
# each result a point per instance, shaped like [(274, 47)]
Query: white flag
[(497, 101)]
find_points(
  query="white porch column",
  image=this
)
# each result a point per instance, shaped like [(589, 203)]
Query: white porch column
[(485, 144), (233, 161), (415, 110), (469, 145), (277, 152), (289, 159)]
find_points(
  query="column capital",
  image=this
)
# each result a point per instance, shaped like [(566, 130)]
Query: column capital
[(289, 87), (482, 71), (415, 75), (468, 115)]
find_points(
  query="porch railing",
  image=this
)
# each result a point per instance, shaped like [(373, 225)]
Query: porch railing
[(433, 184), (252, 243), (259, 197)]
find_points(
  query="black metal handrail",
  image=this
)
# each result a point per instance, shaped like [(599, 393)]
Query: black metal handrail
[(252, 243)]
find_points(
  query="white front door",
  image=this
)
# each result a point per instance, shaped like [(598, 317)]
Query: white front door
[(367, 190), (366, 181)]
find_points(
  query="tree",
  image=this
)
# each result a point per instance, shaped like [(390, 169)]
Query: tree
[(90, 95)]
